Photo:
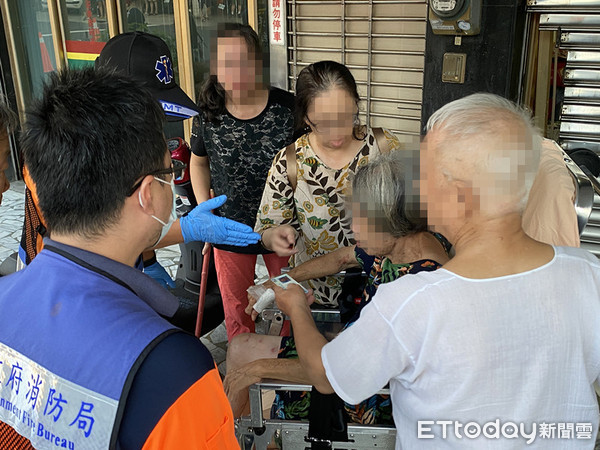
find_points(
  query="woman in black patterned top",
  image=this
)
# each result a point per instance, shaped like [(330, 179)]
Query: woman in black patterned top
[(242, 125)]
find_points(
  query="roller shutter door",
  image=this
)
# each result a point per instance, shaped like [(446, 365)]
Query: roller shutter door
[(381, 41)]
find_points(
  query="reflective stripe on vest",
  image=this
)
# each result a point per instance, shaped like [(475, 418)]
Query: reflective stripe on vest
[(69, 338), (49, 410)]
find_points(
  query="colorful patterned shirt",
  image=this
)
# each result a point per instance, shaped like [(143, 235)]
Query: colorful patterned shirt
[(381, 269)]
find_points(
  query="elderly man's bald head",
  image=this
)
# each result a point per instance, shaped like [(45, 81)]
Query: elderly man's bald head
[(490, 146)]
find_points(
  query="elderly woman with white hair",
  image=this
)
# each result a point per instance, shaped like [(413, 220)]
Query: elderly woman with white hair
[(501, 343)]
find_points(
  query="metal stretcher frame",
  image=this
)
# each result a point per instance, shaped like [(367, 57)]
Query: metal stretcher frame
[(272, 319), (293, 433)]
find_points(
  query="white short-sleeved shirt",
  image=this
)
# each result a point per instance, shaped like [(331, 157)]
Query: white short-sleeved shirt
[(520, 348)]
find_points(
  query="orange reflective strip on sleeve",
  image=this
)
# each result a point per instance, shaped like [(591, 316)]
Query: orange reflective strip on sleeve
[(11, 440), (201, 418), (31, 186)]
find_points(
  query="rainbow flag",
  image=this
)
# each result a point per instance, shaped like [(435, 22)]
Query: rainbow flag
[(83, 53)]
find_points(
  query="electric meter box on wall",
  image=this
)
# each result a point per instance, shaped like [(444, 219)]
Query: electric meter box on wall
[(456, 17)]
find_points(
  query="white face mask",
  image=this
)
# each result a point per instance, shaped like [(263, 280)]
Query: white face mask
[(172, 217)]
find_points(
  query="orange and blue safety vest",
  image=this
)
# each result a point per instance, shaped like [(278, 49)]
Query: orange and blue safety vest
[(86, 361)]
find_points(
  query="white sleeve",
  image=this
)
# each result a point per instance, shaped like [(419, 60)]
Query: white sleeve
[(363, 358)]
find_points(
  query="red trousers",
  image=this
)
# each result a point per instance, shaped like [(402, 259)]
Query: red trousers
[(235, 273)]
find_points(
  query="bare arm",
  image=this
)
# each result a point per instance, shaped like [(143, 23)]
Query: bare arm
[(279, 369), (329, 264), (237, 381), (309, 342), (322, 266), (200, 177)]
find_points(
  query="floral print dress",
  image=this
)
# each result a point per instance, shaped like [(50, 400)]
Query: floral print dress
[(316, 209)]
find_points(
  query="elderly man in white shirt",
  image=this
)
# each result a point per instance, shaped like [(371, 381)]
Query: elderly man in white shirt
[(501, 347)]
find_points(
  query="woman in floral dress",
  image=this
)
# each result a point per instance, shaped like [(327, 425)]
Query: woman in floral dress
[(310, 219)]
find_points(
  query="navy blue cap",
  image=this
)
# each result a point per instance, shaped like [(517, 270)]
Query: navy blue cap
[(147, 59)]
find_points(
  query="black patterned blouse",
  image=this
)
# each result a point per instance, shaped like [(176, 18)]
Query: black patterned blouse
[(240, 153)]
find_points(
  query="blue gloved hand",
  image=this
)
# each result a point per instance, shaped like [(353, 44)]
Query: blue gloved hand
[(202, 225), (159, 274)]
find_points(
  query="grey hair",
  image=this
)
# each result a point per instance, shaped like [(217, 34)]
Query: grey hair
[(379, 187), (476, 123), (8, 119)]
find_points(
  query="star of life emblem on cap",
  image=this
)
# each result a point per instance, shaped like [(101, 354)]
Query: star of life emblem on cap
[(164, 69)]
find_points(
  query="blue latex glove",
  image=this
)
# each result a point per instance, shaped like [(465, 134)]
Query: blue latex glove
[(160, 275), (202, 225)]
